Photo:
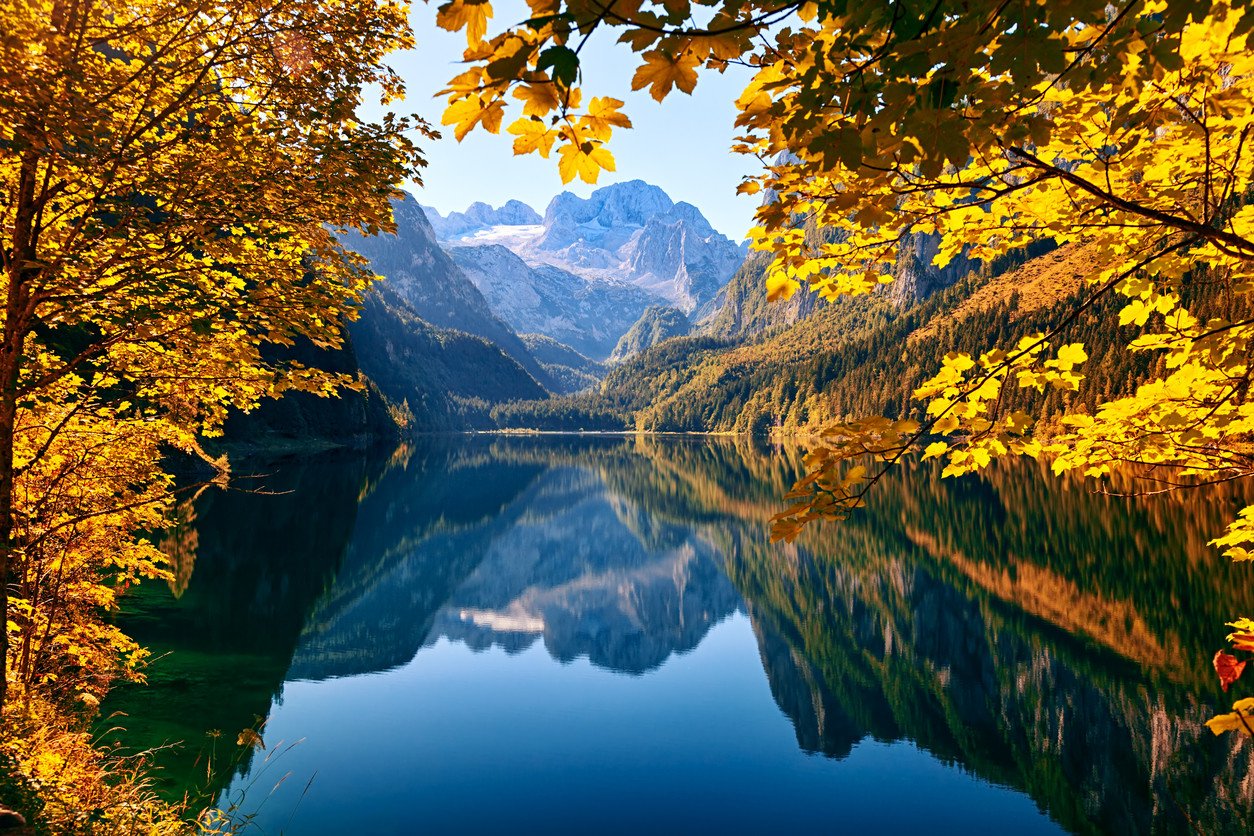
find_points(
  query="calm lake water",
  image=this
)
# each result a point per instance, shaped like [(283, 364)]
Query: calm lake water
[(564, 634)]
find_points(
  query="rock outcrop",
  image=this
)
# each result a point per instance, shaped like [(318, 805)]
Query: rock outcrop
[(589, 315)]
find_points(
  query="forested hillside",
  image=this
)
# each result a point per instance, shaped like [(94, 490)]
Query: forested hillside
[(797, 365), (657, 323), (441, 379)]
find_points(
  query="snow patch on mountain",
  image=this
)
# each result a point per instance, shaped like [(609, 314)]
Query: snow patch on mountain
[(629, 232)]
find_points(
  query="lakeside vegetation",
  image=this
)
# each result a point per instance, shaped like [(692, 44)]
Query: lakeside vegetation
[(173, 176)]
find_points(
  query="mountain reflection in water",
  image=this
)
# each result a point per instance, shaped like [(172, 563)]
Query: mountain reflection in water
[(566, 633)]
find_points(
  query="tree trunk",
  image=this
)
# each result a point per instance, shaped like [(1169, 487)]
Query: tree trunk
[(18, 316), (8, 414)]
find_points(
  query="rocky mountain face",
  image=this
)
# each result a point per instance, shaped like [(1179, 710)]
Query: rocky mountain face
[(915, 277), (679, 256), (424, 277), (588, 316), (629, 233), (657, 323), (743, 309)]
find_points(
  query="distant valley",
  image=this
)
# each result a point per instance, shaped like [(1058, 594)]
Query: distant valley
[(626, 310)]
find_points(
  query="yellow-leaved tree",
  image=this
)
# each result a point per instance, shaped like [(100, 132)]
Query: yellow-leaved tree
[(172, 175), (1122, 127)]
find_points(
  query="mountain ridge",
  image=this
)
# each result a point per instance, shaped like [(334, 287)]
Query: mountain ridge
[(422, 275), (630, 231)]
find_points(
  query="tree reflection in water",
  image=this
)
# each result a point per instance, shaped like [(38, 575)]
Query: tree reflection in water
[(1038, 635)]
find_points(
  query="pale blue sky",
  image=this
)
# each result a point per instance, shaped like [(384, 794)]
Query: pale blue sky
[(681, 145)]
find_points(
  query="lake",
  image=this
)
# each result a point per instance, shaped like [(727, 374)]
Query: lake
[(572, 634)]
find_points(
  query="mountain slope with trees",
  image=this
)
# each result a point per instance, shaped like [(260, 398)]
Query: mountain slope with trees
[(422, 275), (844, 358)]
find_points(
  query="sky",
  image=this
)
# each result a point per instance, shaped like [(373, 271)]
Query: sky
[(681, 145)]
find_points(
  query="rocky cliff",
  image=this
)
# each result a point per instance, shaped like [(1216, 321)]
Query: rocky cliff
[(587, 315), (425, 278)]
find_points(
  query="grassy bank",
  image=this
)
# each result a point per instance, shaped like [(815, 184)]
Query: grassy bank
[(55, 776)]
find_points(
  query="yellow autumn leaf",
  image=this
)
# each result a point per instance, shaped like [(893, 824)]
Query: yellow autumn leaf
[(464, 114), (465, 14), (603, 117), (780, 285), (532, 136), (538, 97), (584, 161), (1071, 355), (661, 71), (1241, 719)]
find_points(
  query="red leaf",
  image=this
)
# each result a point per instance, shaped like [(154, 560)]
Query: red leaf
[(1243, 641), (1228, 668)]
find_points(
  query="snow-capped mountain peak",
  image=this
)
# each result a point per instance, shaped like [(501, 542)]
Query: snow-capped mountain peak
[(626, 232)]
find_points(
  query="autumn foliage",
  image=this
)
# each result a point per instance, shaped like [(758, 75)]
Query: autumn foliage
[(172, 176), (1122, 128)]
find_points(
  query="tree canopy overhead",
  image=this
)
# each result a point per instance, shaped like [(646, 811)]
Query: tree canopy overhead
[(1120, 128)]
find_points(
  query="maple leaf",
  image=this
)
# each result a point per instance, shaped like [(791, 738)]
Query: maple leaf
[(1071, 355), (538, 97), (509, 59), (465, 14), (661, 71), (584, 160), (638, 39), (1229, 668), (532, 135), (466, 113), (562, 64), (603, 116)]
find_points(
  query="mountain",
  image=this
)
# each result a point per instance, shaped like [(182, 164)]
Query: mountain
[(631, 232), (446, 379), (569, 370), (799, 365), (587, 315), (481, 216), (679, 256), (424, 277), (657, 323)]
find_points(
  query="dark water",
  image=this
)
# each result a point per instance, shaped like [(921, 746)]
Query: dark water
[(594, 634)]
